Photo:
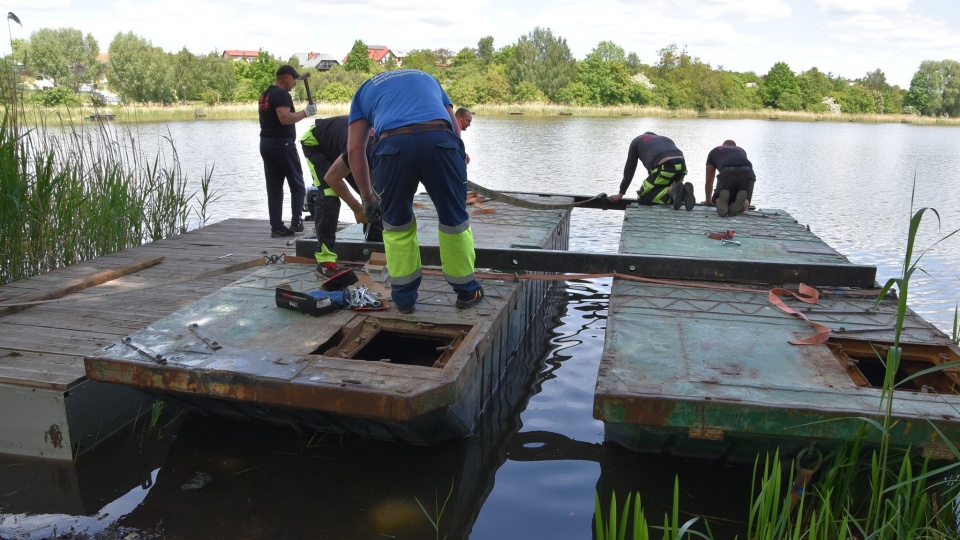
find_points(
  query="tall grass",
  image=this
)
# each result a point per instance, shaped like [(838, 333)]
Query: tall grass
[(879, 492), (70, 193)]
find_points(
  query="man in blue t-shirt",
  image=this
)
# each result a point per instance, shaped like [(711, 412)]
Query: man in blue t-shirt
[(417, 140), (278, 148), (734, 181)]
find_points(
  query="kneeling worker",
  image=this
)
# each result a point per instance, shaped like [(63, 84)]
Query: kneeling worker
[(666, 169), (734, 181)]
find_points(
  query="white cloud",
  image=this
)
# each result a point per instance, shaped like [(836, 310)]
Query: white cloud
[(863, 6), (740, 10)]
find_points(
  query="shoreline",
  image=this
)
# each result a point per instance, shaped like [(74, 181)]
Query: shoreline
[(248, 111)]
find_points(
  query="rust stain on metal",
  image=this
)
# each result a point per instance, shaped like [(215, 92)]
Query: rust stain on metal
[(705, 433), (54, 436)]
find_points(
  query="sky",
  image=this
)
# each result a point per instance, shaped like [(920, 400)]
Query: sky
[(847, 38)]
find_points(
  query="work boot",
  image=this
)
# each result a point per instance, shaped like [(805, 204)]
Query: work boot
[(296, 226), (406, 310), (676, 193), (723, 203), (465, 300), (736, 207), (689, 199), (277, 233), (326, 269)]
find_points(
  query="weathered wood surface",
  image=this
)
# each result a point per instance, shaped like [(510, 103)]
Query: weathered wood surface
[(44, 346)]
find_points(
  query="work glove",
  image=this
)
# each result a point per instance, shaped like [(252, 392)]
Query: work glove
[(310, 109), (371, 209), (358, 214)]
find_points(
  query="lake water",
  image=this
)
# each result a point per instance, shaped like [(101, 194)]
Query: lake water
[(534, 472)]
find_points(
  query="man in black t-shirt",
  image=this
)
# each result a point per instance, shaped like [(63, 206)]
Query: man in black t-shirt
[(325, 147), (279, 152), (734, 181), (666, 169)]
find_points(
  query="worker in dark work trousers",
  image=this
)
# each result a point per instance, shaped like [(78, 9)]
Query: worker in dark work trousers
[(417, 141), (325, 145), (666, 170), (279, 151), (735, 179)]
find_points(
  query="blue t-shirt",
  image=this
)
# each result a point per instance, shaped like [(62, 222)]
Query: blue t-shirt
[(399, 98)]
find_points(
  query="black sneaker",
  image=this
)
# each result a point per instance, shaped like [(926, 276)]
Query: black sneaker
[(465, 300), (407, 310), (326, 269), (278, 233), (736, 207), (689, 199), (676, 193), (297, 227), (723, 203)]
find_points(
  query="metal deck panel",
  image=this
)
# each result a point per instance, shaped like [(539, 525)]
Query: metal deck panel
[(706, 371), (269, 365)]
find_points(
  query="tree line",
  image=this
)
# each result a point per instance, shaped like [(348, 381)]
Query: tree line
[(538, 67)]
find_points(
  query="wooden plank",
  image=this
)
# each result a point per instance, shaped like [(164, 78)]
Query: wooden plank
[(75, 285), (48, 341)]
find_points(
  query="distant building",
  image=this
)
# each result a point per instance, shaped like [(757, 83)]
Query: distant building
[(752, 85), (399, 56), (379, 54), (318, 61), (239, 55)]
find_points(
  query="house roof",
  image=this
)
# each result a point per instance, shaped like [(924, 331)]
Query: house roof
[(238, 53), (313, 59), (377, 52), (374, 52)]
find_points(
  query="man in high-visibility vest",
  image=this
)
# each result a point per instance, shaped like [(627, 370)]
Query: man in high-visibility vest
[(325, 145), (417, 140)]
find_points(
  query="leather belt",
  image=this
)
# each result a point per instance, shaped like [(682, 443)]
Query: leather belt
[(736, 167), (415, 128)]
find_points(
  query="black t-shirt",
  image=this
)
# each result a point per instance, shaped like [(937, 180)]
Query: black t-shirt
[(270, 100), (728, 156), (650, 149), (331, 136)]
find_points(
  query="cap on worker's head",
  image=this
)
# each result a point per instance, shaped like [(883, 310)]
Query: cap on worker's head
[(287, 69)]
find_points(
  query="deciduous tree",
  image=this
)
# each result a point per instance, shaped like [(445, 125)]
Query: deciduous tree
[(139, 71), (65, 56), (542, 60), (780, 80), (358, 59)]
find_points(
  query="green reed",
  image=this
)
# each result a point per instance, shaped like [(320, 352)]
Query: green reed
[(71, 192), (437, 514)]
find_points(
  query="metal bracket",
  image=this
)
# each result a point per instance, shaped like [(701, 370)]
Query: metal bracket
[(145, 352), (211, 344)]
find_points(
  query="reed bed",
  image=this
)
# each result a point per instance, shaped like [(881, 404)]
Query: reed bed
[(142, 113), (74, 192)]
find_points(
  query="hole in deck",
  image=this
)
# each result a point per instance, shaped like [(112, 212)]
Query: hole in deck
[(406, 349), (865, 362), (372, 339)]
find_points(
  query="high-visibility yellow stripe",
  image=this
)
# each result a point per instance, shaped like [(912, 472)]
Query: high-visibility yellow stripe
[(457, 256), (325, 255), (403, 254), (329, 192)]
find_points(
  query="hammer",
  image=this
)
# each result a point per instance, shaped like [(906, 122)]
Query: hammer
[(306, 84)]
